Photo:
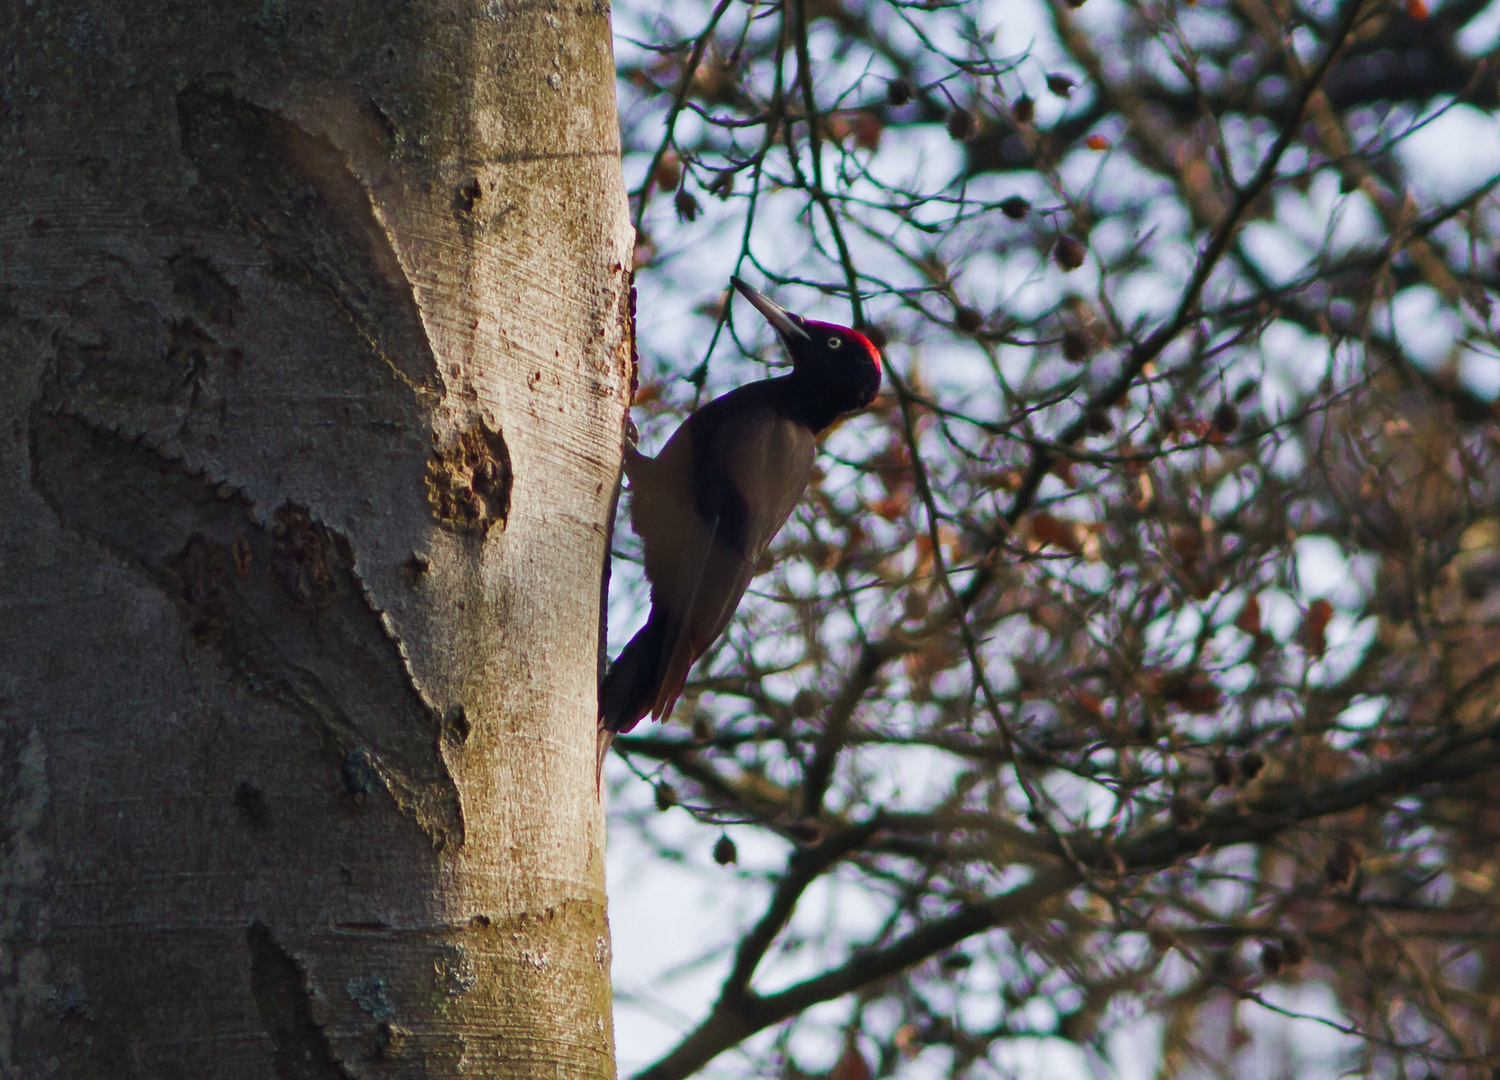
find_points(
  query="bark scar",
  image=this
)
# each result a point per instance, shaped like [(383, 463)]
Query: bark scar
[(294, 193), (283, 1000), (469, 482), (281, 603)]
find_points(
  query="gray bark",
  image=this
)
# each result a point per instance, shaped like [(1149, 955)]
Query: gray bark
[(314, 351)]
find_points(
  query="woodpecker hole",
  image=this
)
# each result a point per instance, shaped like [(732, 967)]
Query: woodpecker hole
[(469, 481)]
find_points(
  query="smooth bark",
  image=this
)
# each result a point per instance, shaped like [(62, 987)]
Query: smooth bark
[(314, 347)]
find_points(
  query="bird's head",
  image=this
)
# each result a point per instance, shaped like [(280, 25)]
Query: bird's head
[(836, 361)]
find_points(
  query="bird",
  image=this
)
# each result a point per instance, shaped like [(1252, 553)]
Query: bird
[(710, 503)]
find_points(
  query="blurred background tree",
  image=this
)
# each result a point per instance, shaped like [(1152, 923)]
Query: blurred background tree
[(1134, 665)]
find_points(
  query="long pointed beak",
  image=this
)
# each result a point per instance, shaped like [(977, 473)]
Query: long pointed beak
[(786, 324)]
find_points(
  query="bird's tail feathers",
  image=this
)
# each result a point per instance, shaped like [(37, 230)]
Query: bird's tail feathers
[(677, 657), (631, 687)]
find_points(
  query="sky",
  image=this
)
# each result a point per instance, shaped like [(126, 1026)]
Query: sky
[(675, 916)]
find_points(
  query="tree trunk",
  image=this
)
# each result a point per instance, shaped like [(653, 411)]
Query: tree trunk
[(314, 347)]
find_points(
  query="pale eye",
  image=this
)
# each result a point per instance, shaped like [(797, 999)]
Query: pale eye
[(834, 343)]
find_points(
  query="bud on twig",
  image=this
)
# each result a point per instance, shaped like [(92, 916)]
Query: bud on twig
[(1187, 812), (1069, 253), (1076, 345), (962, 125), (1293, 950), (1342, 864), (1015, 208), (668, 172), (1060, 84), (806, 704)]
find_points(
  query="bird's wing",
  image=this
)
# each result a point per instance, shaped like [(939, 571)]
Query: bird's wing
[(702, 583), (765, 459), (678, 546), (706, 509)]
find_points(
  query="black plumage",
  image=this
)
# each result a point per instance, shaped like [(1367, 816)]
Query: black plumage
[(707, 507)]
